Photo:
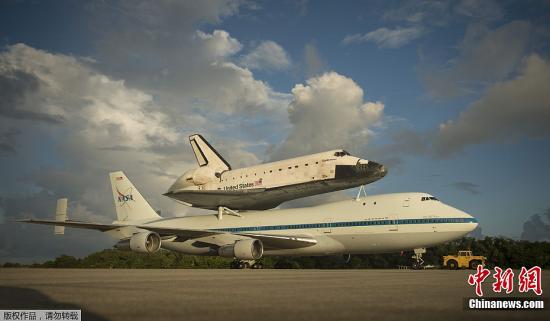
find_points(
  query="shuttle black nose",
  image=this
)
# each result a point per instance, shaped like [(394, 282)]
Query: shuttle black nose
[(375, 169)]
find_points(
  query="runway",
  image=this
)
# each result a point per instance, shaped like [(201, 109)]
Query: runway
[(278, 295)]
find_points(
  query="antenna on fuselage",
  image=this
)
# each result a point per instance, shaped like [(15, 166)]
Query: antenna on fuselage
[(361, 189)]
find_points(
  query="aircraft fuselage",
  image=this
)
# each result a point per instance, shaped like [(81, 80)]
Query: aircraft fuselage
[(373, 224)]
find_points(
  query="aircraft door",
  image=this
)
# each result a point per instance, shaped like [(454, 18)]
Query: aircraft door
[(327, 226), (393, 225)]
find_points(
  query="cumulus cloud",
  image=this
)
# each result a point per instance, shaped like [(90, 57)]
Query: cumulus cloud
[(158, 49), (485, 56), (268, 55), (328, 112), (105, 125), (387, 38), (509, 110), (219, 43), (155, 77), (537, 227), (64, 88)]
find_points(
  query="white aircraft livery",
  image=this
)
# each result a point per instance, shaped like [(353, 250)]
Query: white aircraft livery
[(215, 185), (373, 224)]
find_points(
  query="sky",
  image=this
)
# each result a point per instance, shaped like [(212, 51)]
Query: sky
[(452, 96)]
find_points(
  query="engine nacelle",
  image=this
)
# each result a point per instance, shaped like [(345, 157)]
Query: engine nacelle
[(144, 242), (243, 250)]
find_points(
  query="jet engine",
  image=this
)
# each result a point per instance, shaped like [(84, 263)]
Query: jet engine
[(144, 242), (243, 250)]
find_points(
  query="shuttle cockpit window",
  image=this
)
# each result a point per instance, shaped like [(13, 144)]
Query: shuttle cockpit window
[(341, 153)]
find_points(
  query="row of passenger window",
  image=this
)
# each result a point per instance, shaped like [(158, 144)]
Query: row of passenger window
[(347, 224)]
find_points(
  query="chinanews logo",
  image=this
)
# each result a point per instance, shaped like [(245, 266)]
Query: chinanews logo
[(124, 198), (504, 281)]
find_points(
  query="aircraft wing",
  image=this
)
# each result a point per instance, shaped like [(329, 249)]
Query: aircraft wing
[(269, 241), (283, 241)]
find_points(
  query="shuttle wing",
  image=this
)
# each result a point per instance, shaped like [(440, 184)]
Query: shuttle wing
[(215, 198), (269, 241)]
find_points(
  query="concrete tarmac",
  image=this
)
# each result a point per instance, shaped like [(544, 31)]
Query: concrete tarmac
[(196, 295)]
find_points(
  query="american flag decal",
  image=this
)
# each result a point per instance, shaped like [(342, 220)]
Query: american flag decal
[(258, 182)]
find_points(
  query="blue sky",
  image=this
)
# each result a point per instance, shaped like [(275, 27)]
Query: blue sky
[(453, 96)]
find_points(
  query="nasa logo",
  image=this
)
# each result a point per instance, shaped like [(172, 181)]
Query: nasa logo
[(125, 197)]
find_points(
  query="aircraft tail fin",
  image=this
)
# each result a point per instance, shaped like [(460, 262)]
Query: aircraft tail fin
[(129, 203), (206, 154)]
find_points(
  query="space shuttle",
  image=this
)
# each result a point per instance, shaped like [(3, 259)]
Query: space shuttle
[(215, 185)]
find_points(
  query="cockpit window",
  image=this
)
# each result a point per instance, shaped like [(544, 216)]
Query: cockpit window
[(341, 153), (429, 198)]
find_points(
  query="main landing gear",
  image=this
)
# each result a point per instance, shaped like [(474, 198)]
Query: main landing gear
[(417, 258), (246, 264)]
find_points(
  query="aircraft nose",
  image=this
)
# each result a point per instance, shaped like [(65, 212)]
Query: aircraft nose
[(472, 220), (376, 169)]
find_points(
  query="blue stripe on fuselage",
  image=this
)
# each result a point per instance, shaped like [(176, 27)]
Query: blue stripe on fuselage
[(346, 224)]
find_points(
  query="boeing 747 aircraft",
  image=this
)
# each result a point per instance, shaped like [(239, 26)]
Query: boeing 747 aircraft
[(373, 224), (215, 185)]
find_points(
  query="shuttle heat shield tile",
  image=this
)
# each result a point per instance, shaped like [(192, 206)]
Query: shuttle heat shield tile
[(372, 171)]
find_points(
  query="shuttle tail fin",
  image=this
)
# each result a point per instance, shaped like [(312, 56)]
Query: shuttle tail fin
[(206, 154), (129, 203)]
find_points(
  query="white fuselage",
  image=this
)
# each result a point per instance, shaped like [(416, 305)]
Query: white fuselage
[(373, 224)]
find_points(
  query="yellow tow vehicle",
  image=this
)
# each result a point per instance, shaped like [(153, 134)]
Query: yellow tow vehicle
[(464, 259)]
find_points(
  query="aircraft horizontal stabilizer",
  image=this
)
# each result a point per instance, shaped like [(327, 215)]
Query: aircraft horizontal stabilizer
[(75, 224)]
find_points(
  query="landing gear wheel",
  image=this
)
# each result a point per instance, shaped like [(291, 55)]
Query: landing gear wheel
[(416, 266), (258, 265)]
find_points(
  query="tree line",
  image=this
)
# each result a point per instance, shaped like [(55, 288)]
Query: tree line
[(499, 251)]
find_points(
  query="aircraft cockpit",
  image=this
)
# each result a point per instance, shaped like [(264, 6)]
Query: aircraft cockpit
[(341, 153), (429, 198)]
